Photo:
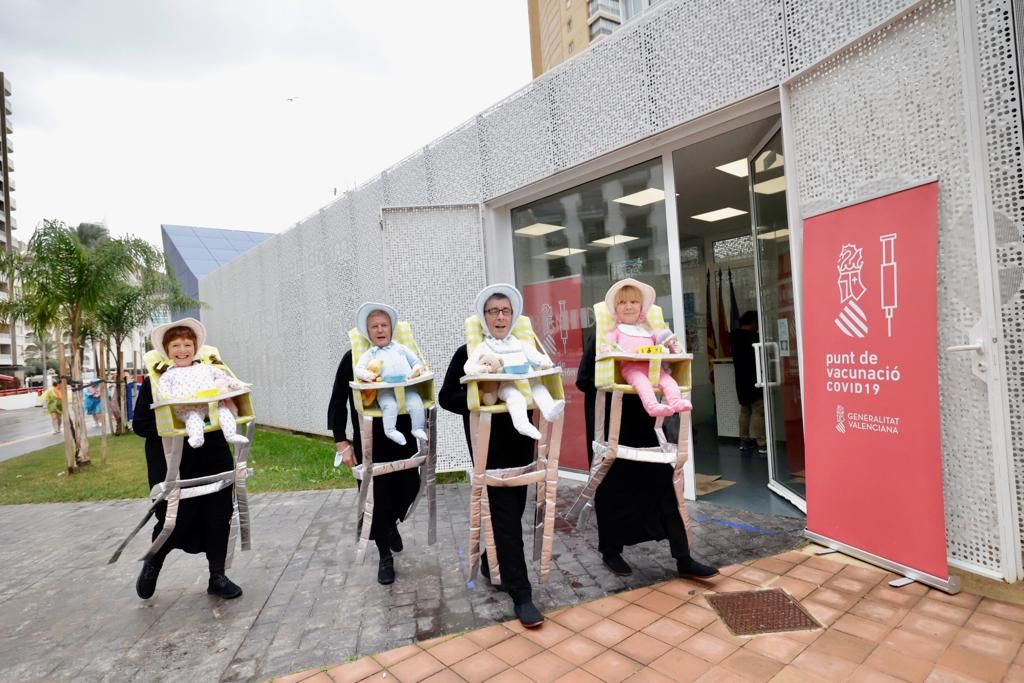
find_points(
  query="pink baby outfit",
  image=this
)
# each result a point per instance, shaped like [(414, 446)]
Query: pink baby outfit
[(630, 338)]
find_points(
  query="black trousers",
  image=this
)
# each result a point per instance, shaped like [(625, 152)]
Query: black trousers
[(507, 506)]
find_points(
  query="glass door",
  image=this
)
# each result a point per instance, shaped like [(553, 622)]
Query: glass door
[(777, 352)]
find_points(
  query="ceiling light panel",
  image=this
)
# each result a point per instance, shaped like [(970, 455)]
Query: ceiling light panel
[(718, 214), (613, 240), (538, 229), (643, 197), (737, 168)]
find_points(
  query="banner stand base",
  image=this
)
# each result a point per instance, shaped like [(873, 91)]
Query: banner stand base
[(949, 585)]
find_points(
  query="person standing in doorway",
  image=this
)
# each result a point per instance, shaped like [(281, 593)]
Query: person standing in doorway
[(750, 396)]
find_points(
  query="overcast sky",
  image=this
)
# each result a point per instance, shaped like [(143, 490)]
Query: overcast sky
[(142, 112)]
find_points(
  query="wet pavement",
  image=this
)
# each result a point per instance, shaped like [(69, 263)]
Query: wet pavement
[(28, 429), (66, 615)]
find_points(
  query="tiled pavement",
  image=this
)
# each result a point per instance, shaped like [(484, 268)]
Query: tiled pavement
[(667, 632), (67, 615)]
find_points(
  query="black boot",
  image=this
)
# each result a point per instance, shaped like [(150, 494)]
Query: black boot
[(618, 565), (145, 585), (528, 614), (223, 587), (386, 569), (396, 541), (692, 569)]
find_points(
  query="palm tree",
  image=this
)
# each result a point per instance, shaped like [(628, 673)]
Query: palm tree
[(63, 277)]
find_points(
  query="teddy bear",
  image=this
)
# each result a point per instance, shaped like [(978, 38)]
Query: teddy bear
[(376, 366), (489, 390)]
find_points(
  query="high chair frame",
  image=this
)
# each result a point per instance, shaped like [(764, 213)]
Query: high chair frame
[(542, 472), (609, 380), (172, 431)]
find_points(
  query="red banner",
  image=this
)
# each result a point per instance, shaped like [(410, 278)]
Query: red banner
[(871, 392), (554, 309)]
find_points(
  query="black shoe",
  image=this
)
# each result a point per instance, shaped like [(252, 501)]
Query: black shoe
[(386, 570), (145, 585), (528, 614), (396, 541), (762, 451), (618, 565), (223, 587), (692, 569)]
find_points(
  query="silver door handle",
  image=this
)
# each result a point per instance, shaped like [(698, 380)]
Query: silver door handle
[(978, 346), (758, 358), (776, 364)]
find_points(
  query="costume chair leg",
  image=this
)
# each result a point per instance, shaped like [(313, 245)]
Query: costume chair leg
[(366, 490), (241, 490), (604, 458), (173, 446), (682, 455), (476, 490), (431, 476), (540, 459), (554, 433)]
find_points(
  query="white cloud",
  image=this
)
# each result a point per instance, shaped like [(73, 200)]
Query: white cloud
[(176, 112)]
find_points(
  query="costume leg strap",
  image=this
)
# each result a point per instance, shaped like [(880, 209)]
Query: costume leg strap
[(682, 455), (173, 446), (366, 489), (550, 488), (477, 487)]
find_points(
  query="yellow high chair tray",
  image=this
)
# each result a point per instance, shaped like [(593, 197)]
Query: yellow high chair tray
[(371, 386), (169, 424), (509, 376)]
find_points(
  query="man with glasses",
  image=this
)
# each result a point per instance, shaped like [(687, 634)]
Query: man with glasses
[(499, 307)]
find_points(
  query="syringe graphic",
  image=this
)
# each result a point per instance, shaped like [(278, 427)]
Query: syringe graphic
[(890, 294), (563, 325)]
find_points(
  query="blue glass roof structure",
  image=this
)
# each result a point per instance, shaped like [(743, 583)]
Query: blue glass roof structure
[(194, 252)]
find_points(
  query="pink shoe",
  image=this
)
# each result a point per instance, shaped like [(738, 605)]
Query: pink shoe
[(681, 405)]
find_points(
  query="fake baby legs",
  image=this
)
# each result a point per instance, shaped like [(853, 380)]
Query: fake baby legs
[(195, 421), (636, 375), (389, 406), (516, 403)]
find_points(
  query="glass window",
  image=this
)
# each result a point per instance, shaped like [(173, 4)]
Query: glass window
[(570, 247)]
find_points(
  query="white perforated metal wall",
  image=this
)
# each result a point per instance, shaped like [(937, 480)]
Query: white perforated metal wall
[(999, 72), (902, 88), (435, 293), (280, 311)]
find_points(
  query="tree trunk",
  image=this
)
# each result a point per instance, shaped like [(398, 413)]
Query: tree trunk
[(121, 395), (101, 363), (76, 377), (65, 417), (42, 351)]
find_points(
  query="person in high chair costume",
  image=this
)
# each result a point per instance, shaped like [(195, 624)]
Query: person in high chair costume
[(507, 456), (635, 485)]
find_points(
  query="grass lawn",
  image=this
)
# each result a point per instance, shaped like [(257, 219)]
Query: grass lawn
[(282, 462)]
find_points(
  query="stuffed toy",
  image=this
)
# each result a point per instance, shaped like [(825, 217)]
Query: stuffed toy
[(490, 364), (376, 366)]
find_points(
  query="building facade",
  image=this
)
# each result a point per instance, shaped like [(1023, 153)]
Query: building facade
[(10, 335), (633, 159), (559, 30), (193, 252)]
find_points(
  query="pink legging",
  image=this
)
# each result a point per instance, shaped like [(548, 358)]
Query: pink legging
[(636, 375)]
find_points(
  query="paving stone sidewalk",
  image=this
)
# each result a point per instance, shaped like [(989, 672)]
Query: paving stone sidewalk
[(67, 615)]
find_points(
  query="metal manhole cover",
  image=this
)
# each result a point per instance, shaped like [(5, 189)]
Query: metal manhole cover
[(751, 613)]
